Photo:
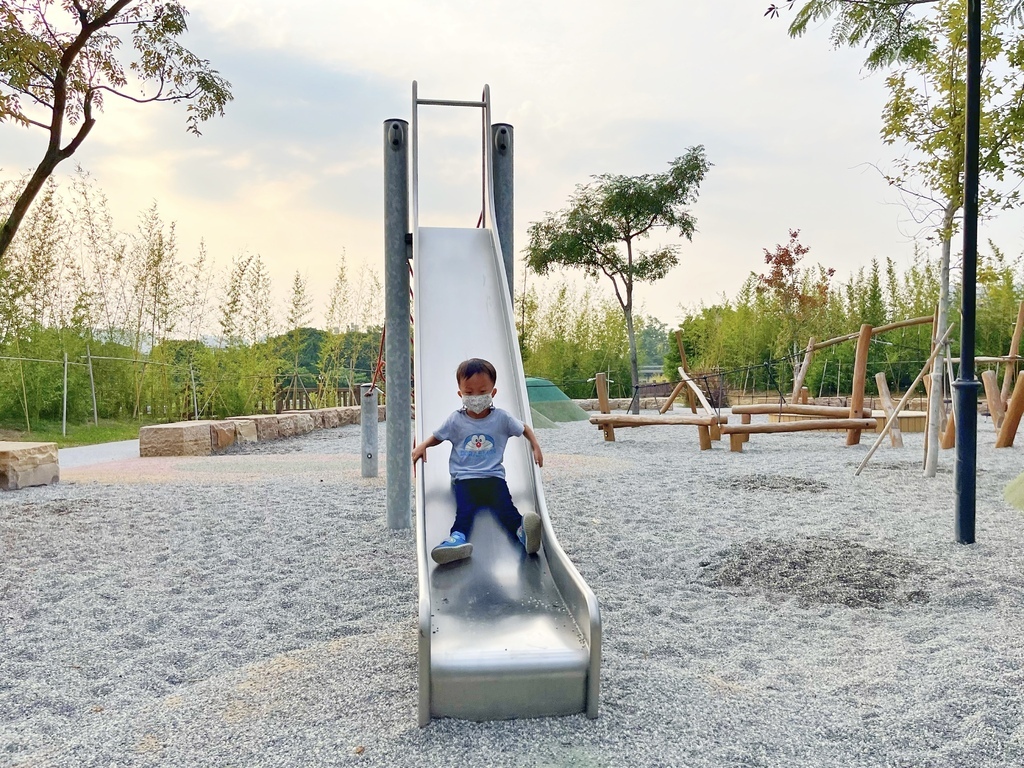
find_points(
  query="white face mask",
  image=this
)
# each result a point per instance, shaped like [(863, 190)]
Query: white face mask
[(476, 403)]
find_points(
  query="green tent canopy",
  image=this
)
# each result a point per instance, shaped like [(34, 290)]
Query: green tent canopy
[(551, 403)]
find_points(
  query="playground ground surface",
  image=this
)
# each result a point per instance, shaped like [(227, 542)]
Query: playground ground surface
[(760, 609)]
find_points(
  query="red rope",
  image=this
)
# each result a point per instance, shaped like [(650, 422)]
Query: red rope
[(378, 369)]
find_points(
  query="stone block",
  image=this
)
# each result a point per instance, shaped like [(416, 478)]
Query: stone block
[(287, 424), (331, 418), (318, 418), (24, 464), (266, 425), (245, 431), (304, 423), (223, 434), (301, 422), (182, 438)]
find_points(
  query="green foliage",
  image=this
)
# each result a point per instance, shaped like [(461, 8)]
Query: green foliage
[(891, 30), (600, 230), (926, 113), (60, 61), (140, 312), (740, 336), (569, 335)]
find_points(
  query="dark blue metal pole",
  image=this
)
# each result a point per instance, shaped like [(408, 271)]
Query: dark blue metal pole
[(966, 386)]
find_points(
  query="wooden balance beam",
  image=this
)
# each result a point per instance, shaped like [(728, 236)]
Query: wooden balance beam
[(704, 424), (795, 409), (738, 432)]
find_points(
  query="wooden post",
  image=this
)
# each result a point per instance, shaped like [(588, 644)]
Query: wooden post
[(903, 401), (1011, 364), (994, 398), (798, 381), (685, 370), (1013, 413), (601, 380), (948, 439), (804, 393), (736, 442), (860, 373), (895, 435), (672, 398)]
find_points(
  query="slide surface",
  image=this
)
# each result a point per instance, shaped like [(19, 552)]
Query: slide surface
[(502, 634)]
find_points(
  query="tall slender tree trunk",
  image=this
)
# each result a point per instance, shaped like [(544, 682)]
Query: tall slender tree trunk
[(935, 400), (634, 368)]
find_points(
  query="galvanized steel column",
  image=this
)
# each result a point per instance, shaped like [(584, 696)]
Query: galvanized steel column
[(368, 422), (397, 347), (504, 213)]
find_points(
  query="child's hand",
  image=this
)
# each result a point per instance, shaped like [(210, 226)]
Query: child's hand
[(419, 452), (537, 455)]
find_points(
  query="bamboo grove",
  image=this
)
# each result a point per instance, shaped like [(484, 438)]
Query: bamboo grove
[(757, 337), (166, 336)]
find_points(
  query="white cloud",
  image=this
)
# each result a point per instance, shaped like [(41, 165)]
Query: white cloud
[(294, 170)]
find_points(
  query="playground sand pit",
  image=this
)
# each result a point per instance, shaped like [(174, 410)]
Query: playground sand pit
[(760, 609)]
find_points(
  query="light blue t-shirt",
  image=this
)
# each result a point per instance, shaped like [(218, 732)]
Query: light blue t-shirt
[(478, 445)]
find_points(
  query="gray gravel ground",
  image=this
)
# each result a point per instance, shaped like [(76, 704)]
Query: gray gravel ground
[(760, 609)]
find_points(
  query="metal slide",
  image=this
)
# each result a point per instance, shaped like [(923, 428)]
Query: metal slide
[(502, 634)]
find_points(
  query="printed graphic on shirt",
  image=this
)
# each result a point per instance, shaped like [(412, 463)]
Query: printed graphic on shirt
[(477, 445)]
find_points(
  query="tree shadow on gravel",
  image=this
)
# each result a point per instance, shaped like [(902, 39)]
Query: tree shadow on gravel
[(817, 571), (783, 483)]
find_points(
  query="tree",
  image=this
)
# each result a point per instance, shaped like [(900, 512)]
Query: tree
[(892, 30), (299, 304), (59, 61), (796, 295), (926, 112), (614, 210)]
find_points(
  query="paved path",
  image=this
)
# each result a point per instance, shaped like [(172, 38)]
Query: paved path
[(85, 455)]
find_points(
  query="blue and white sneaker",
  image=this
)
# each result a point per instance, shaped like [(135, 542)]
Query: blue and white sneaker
[(529, 533), (455, 547)]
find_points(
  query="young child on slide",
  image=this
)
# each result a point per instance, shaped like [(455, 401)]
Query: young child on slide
[(478, 433)]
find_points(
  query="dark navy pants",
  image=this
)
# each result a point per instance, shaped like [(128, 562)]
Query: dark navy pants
[(475, 494)]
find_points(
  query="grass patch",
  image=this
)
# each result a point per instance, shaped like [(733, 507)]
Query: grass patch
[(107, 431)]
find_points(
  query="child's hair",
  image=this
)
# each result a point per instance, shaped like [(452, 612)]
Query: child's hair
[(472, 367)]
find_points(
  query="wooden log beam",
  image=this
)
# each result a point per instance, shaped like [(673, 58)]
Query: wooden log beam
[(601, 380), (860, 375), (1011, 366), (797, 426), (903, 401), (1014, 410), (672, 398), (697, 391), (948, 439), (994, 398), (875, 331), (798, 381), (796, 409), (643, 420), (895, 435), (683, 366)]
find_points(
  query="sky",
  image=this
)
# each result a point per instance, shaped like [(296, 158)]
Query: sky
[(294, 171)]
